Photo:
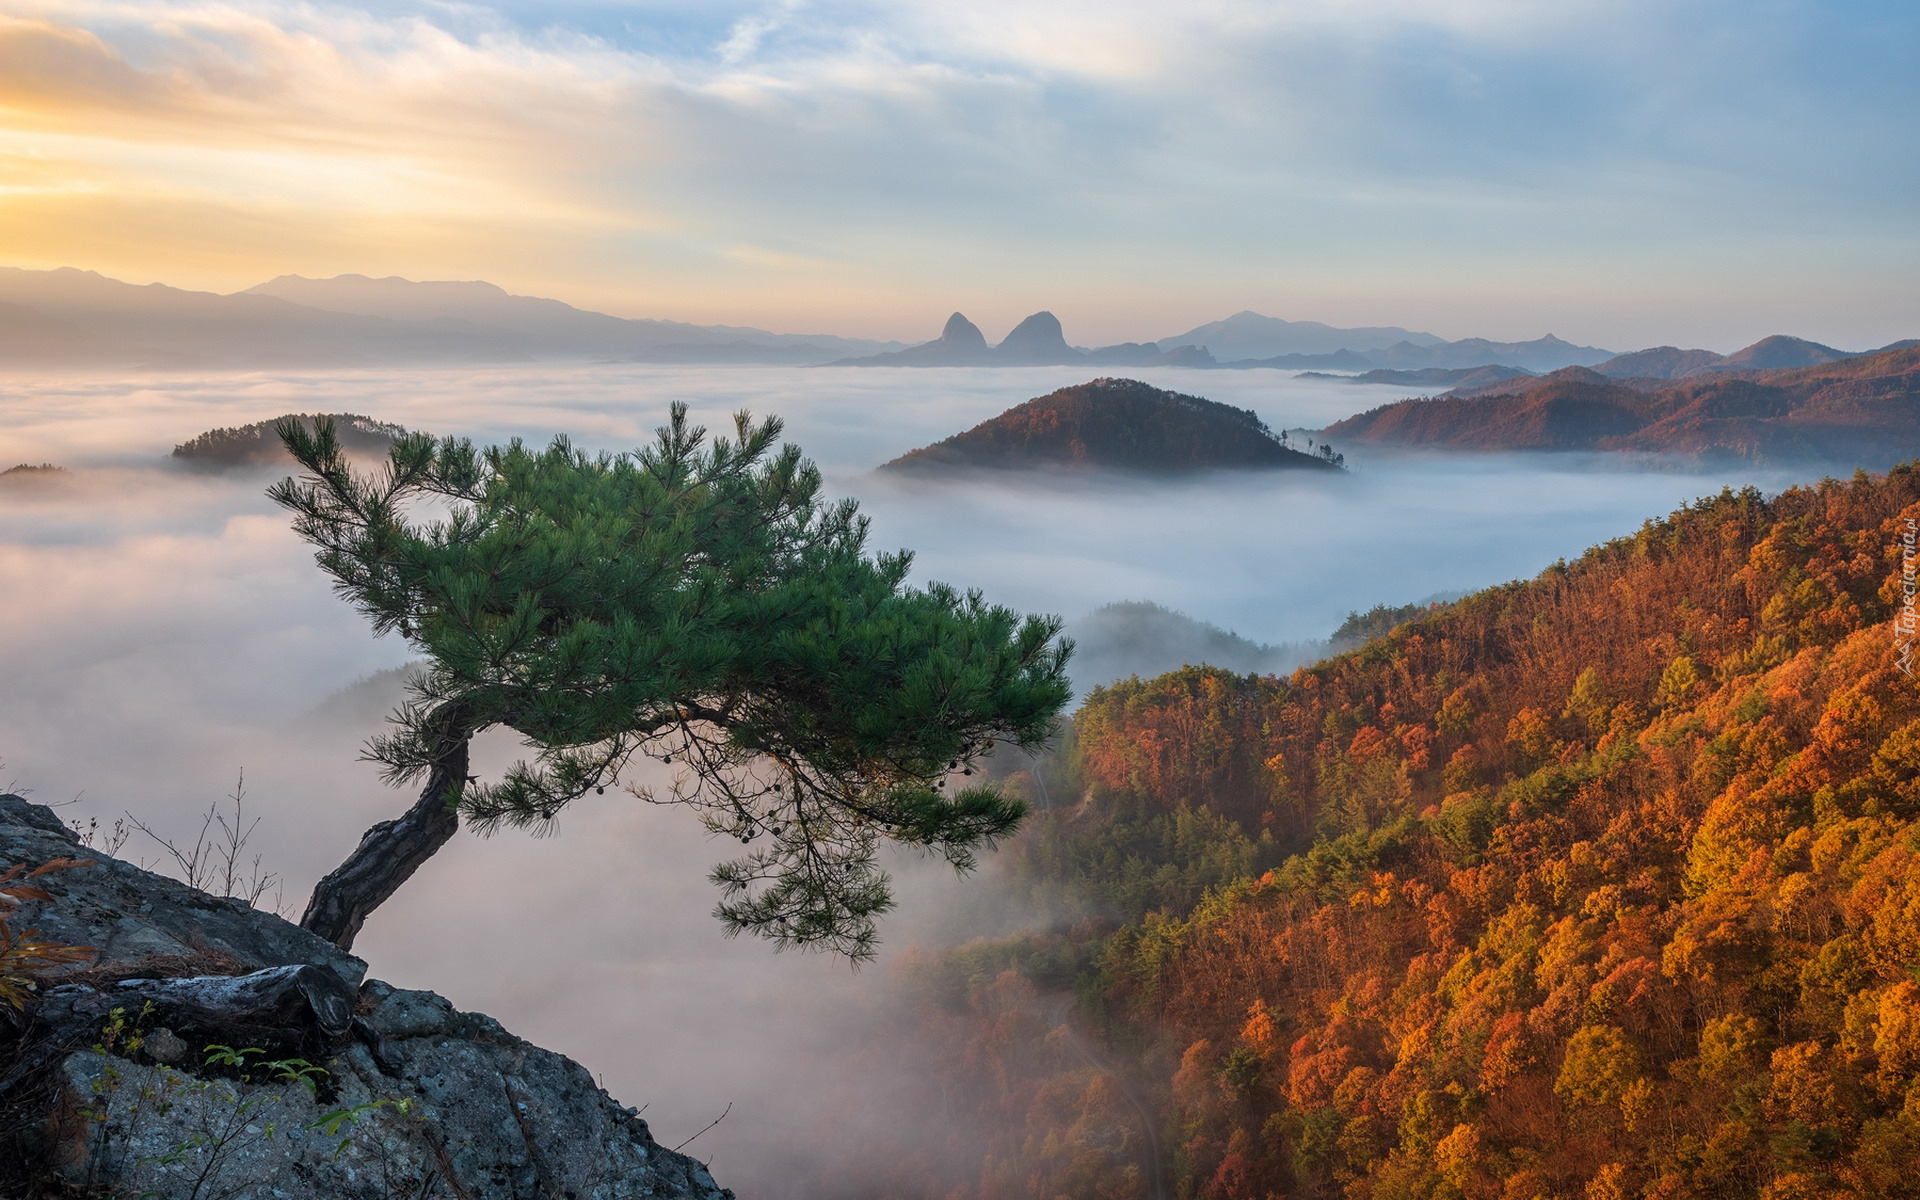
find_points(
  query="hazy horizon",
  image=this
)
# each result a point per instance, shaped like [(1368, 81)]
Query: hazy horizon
[(1619, 173), (1168, 333)]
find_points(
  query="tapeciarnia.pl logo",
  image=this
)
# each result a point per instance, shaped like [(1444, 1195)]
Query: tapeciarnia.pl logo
[(1906, 623)]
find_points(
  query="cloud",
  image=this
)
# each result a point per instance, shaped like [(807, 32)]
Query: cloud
[(744, 38), (1107, 152), (44, 66)]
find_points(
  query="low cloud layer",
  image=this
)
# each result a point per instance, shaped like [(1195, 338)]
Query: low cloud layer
[(166, 631)]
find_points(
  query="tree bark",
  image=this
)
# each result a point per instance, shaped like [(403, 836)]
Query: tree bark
[(390, 852)]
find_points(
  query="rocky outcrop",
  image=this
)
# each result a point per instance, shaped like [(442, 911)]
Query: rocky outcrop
[(962, 337), (209, 1049), (146, 924), (1037, 341), (960, 344)]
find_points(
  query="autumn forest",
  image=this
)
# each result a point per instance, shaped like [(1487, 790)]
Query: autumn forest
[(1598, 885)]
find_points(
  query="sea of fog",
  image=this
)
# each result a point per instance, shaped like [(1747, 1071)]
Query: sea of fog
[(162, 631)]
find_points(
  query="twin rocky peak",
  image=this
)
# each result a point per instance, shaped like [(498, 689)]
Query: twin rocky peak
[(1037, 341)]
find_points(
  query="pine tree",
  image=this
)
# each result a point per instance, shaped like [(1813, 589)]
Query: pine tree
[(696, 601)]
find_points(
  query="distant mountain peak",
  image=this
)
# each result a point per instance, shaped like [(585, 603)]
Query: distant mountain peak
[(960, 332), (1040, 328), (1251, 335), (1576, 375), (1038, 340), (1780, 350), (1769, 353), (1244, 340), (1658, 362)]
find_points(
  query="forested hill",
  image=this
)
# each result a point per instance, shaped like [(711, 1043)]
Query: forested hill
[(1601, 885), (1121, 424), (259, 444), (1856, 411)]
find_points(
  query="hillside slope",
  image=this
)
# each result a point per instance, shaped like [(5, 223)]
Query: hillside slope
[(1121, 424), (1857, 411), (1601, 885), (1658, 362), (1769, 353)]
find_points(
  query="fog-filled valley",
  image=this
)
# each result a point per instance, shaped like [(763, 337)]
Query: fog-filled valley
[(1382, 538), (167, 631)]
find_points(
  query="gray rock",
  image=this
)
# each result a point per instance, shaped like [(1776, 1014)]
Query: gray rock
[(469, 1122), (294, 1010), (421, 1100), (145, 924), (165, 1047), (466, 1119)]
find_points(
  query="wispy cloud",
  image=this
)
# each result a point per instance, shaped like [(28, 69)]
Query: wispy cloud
[(1122, 156)]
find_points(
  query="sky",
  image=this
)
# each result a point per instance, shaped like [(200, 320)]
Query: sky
[(1618, 172)]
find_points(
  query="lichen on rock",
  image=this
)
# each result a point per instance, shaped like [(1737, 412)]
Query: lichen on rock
[(114, 1081)]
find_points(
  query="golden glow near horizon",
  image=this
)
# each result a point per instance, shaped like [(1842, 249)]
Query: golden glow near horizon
[(250, 148), (1470, 166)]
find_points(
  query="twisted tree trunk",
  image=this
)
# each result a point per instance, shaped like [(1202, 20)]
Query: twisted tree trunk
[(390, 852)]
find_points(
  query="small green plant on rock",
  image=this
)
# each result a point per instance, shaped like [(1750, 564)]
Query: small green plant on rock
[(139, 1145)]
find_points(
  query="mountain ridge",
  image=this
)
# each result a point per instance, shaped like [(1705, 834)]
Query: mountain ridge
[(1774, 352), (488, 304), (73, 317), (1250, 335), (111, 323), (1858, 410), (1039, 341)]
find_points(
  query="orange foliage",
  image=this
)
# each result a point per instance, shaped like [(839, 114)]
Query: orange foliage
[(1606, 884)]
